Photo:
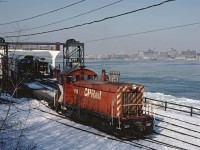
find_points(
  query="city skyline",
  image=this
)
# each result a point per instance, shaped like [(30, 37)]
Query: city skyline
[(151, 55)]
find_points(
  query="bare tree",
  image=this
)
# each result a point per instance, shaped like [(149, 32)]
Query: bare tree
[(12, 127)]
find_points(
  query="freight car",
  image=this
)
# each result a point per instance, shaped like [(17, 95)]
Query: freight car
[(113, 107), (23, 68), (28, 67)]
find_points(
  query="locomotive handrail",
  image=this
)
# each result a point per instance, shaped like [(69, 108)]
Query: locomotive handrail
[(180, 105)]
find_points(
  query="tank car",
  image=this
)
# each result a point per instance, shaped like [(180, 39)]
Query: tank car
[(113, 107)]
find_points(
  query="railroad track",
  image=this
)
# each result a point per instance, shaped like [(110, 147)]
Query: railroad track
[(94, 133), (198, 146), (135, 143), (177, 131), (177, 125), (197, 125), (187, 132), (164, 144), (139, 143)]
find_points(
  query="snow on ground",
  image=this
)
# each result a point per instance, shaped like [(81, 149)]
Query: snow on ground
[(170, 98), (41, 130)]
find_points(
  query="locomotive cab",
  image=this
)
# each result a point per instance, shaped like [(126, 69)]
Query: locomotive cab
[(67, 80), (72, 75)]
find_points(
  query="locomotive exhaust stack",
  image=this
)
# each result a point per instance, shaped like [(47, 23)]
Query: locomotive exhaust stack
[(103, 76)]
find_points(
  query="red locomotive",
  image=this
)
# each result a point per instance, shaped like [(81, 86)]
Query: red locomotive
[(105, 104), (113, 107)]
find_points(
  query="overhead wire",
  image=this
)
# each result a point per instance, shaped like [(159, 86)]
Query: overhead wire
[(2, 1), (36, 16), (53, 23), (92, 22), (144, 32)]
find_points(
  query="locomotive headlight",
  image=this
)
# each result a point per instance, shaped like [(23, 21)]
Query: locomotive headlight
[(134, 86), (126, 126), (148, 124)]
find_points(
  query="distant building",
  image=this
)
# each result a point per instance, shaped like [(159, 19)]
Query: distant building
[(150, 54), (189, 54), (163, 55), (198, 56), (140, 54), (173, 53)]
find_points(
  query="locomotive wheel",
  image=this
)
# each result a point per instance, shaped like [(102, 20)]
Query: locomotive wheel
[(51, 105), (58, 107), (74, 118)]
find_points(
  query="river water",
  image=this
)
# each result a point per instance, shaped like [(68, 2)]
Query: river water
[(172, 78)]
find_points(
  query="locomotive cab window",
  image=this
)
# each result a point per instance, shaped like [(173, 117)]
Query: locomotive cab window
[(90, 77), (85, 77), (69, 79), (77, 78), (95, 77)]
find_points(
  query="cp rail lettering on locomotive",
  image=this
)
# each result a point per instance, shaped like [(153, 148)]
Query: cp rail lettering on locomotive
[(92, 93)]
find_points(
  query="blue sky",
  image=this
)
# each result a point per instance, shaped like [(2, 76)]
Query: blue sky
[(175, 13)]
